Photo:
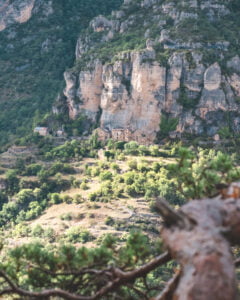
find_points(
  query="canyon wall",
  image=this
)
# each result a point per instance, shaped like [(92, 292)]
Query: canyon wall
[(131, 90)]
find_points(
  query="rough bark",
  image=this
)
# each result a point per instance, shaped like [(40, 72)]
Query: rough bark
[(204, 250)]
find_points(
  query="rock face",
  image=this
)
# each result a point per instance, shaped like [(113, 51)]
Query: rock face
[(132, 95), (131, 90), (20, 11), (86, 97), (16, 12)]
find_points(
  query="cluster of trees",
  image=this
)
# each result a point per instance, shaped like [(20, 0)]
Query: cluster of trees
[(75, 149), (25, 200), (130, 267), (192, 175)]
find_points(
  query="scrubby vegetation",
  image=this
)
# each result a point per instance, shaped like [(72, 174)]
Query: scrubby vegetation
[(77, 214), (128, 177)]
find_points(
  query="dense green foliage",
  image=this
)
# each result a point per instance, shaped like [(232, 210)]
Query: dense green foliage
[(32, 69), (167, 125), (38, 266)]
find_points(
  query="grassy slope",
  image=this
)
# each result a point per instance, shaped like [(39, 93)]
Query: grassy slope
[(126, 212)]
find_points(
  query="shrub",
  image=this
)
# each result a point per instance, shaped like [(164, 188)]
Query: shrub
[(109, 221), (130, 190), (33, 169), (109, 154), (66, 217), (78, 235), (106, 175), (154, 150), (55, 198), (93, 196), (77, 199), (115, 167), (83, 186), (121, 157), (67, 199), (12, 182), (95, 171), (37, 231), (143, 150), (167, 125), (131, 148), (129, 177), (143, 167), (34, 211), (156, 167), (132, 164)]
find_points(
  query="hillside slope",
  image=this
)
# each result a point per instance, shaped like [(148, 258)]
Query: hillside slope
[(37, 44), (173, 63)]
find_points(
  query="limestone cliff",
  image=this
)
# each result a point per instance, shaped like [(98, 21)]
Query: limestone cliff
[(156, 57)]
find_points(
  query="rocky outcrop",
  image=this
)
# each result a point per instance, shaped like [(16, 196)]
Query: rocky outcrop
[(83, 92), (133, 89), (16, 12), (133, 96), (20, 11)]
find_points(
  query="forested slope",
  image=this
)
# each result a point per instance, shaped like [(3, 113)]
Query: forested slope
[(34, 55)]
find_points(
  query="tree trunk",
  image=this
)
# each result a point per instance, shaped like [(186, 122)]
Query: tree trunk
[(204, 249)]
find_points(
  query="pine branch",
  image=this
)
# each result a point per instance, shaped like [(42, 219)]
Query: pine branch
[(120, 278), (168, 291)]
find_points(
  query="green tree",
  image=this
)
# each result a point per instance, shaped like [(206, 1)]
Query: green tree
[(12, 181)]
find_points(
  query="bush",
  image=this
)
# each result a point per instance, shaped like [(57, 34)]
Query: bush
[(59, 167), (156, 167), (66, 217), (143, 167), (115, 167), (131, 148), (55, 198), (95, 171), (83, 186), (129, 177), (12, 182), (109, 221), (106, 175), (33, 169), (34, 211), (67, 199), (167, 125), (143, 150), (154, 150), (78, 235), (130, 190), (132, 164), (37, 231), (93, 196)]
